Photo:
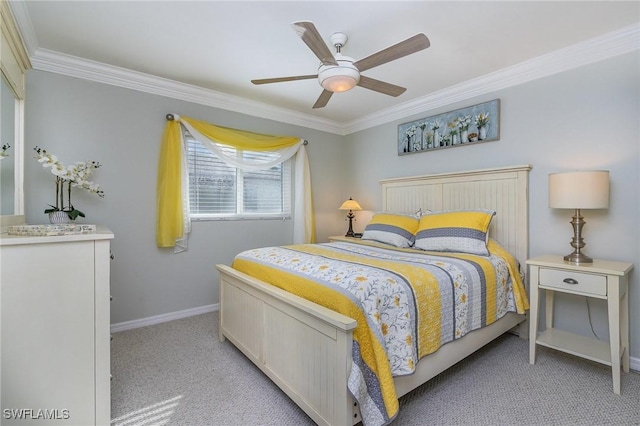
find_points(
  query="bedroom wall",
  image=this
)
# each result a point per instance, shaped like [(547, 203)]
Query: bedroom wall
[(80, 120), (586, 118), (583, 118)]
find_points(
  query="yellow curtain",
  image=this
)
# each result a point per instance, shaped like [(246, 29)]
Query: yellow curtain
[(241, 139), (171, 218)]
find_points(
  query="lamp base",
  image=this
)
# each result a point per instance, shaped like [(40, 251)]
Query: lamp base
[(578, 258), (350, 217)]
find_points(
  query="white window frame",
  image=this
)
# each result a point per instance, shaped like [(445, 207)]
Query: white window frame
[(287, 193)]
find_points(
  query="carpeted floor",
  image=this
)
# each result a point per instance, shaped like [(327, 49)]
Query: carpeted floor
[(177, 373)]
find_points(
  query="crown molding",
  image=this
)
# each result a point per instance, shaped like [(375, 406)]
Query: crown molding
[(23, 21), (72, 66), (597, 49), (47, 60), (616, 43)]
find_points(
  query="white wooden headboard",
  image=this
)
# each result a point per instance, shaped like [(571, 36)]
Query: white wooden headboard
[(505, 190)]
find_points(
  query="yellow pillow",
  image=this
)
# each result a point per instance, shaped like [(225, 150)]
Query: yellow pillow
[(464, 231), (394, 229)]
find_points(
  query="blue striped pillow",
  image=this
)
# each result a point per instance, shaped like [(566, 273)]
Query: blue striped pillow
[(464, 231), (394, 229)]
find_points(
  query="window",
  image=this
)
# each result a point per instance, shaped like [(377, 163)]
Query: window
[(218, 190)]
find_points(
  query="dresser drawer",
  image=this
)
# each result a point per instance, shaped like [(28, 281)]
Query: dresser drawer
[(573, 281)]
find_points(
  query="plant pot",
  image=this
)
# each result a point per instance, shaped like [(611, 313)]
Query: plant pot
[(56, 218)]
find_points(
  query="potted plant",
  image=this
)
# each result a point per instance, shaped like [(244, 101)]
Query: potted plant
[(75, 176)]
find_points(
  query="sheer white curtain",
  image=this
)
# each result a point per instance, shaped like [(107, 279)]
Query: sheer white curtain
[(303, 226)]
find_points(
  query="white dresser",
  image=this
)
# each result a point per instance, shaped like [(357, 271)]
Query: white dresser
[(55, 341)]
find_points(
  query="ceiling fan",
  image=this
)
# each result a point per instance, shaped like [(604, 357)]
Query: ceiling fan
[(340, 73)]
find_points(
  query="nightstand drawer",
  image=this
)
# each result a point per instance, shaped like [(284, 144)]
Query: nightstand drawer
[(573, 281)]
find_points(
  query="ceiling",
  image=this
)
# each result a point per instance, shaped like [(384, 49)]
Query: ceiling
[(220, 46)]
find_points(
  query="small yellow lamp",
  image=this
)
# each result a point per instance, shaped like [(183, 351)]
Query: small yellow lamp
[(350, 205)]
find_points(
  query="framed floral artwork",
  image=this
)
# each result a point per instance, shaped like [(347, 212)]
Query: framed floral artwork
[(464, 126)]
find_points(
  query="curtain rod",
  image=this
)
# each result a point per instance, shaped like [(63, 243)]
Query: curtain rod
[(170, 117)]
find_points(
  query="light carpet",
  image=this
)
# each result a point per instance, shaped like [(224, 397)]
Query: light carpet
[(178, 373)]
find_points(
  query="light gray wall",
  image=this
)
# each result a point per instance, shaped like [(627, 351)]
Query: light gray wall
[(80, 120), (580, 119)]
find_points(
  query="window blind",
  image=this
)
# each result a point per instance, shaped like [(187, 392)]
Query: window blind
[(219, 190)]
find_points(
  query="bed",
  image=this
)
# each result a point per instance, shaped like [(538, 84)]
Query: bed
[(314, 364)]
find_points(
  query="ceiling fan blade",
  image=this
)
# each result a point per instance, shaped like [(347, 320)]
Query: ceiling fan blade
[(281, 79), (323, 99), (308, 33), (411, 45), (380, 86)]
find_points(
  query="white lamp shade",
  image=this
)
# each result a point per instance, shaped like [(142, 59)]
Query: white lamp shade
[(587, 189), (338, 83), (350, 204)]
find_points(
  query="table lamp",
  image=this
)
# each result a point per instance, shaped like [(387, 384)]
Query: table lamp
[(579, 190), (350, 205)]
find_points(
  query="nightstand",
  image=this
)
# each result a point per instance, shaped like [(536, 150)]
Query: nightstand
[(601, 279)]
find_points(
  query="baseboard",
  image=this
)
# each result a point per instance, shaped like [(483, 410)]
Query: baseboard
[(634, 364), (157, 319)]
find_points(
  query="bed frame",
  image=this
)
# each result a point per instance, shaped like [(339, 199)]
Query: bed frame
[(306, 349)]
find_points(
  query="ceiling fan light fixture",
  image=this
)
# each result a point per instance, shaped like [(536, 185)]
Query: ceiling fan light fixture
[(339, 83), (339, 78), (338, 73)]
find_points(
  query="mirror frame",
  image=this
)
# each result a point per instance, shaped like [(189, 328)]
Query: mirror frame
[(16, 140), (14, 62)]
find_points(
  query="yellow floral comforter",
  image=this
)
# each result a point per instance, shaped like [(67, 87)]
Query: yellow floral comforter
[(407, 302)]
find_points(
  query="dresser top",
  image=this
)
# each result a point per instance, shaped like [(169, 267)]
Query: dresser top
[(102, 233)]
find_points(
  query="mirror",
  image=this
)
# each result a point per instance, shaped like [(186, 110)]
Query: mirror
[(14, 62), (7, 138)]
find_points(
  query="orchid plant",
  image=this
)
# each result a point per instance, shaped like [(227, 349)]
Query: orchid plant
[(75, 176)]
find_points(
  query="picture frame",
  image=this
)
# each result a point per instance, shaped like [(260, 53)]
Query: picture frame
[(465, 126)]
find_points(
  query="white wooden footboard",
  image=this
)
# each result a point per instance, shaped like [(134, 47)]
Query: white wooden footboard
[(304, 348)]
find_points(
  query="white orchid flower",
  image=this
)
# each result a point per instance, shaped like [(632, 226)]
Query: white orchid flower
[(60, 170), (75, 176)]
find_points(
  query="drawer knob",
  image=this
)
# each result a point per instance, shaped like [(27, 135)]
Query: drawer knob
[(570, 281)]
